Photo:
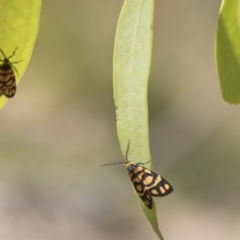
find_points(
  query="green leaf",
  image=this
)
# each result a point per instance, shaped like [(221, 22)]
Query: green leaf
[(19, 20), (131, 67), (228, 50)]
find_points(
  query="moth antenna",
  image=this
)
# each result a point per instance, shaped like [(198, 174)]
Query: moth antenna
[(145, 163), (13, 53), (127, 150), (108, 164), (3, 53)]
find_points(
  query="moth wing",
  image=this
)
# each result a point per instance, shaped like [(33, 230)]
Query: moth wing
[(1, 92), (11, 81), (135, 174), (9, 92), (147, 199), (156, 185)]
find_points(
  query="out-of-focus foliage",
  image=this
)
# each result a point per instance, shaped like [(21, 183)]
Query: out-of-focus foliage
[(19, 22), (228, 50), (60, 127)]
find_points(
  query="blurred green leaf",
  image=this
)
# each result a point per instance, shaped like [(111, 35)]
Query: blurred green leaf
[(228, 50), (131, 67), (19, 22)]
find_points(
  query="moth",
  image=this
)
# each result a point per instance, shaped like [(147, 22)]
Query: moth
[(7, 76), (147, 183)]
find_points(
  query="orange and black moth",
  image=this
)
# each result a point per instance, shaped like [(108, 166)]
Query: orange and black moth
[(7, 76), (147, 183)]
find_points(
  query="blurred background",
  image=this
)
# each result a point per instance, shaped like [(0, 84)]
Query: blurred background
[(60, 127)]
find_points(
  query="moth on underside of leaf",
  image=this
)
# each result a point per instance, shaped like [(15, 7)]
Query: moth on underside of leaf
[(7, 76), (147, 183)]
